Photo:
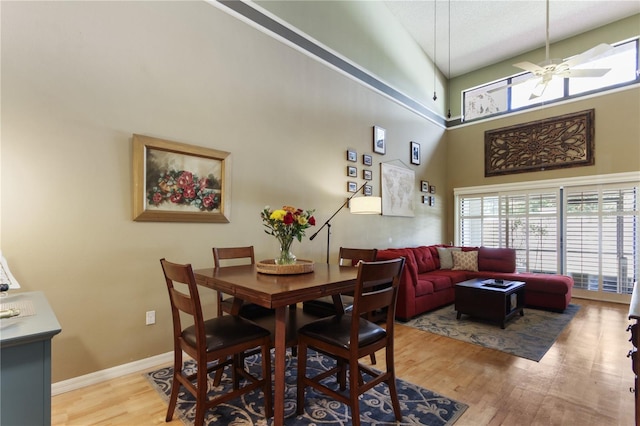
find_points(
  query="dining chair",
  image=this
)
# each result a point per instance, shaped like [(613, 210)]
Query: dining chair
[(349, 337), (324, 306), (235, 255), (220, 338)]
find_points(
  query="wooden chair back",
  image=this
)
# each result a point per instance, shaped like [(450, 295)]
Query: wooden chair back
[(228, 253), (376, 290), (184, 301), (352, 256)]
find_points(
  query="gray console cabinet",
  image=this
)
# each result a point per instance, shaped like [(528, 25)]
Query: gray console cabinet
[(25, 362)]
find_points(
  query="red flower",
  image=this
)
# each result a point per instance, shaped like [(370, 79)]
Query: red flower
[(157, 198), (312, 221), (185, 179), (288, 218), (176, 197), (208, 201), (189, 193)]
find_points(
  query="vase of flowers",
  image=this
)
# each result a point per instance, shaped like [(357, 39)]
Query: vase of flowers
[(286, 224)]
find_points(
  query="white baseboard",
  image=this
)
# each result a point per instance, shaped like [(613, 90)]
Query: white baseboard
[(110, 373)]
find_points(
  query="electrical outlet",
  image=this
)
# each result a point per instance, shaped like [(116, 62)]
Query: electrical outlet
[(151, 317)]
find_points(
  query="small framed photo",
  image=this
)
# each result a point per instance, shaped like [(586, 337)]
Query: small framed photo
[(367, 190), (352, 187), (432, 200), (424, 186), (425, 199), (415, 153), (367, 160), (352, 155), (379, 140), (367, 174), (432, 189), (352, 171)]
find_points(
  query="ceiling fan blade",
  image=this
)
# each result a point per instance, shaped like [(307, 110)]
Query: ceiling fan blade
[(539, 89), (589, 55), (528, 66), (587, 72)]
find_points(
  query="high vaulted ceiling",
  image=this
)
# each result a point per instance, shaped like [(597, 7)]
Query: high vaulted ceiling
[(484, 32)]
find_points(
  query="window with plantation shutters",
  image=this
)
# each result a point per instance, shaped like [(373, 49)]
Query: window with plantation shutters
[(590, 232), (602, 238), (526, 222)]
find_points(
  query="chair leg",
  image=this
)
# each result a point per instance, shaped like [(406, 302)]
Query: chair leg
[(217, 378), (302, 371), (238, 362), (201, 392), (391, 382), (266, 376), (342, 373), (175, 385), (354, 391)]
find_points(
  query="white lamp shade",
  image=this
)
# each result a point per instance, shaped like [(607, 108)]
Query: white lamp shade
[(366, 205)]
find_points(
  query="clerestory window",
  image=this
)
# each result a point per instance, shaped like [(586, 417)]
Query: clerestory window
[(515, 92)]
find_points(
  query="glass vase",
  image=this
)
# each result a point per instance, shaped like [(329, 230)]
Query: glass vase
[(285, 257)]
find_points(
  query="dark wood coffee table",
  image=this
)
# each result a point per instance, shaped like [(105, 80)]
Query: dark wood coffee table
[(486, 299)]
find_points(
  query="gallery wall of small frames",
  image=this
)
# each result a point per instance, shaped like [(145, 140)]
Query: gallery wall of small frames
[(426, 188), (365, 172)]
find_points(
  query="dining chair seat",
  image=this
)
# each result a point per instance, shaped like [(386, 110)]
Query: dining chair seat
[(226, 331), (336, 331)]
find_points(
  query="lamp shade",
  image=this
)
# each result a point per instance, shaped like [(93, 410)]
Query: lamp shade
[(366, 205)]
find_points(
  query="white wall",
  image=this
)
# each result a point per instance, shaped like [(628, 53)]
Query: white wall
[(79, 78)]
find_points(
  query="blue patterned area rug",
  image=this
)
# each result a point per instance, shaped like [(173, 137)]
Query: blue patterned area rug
[(529, 336), (419, 406)]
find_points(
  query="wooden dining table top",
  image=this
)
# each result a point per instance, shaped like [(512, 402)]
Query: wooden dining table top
[(272, 291)]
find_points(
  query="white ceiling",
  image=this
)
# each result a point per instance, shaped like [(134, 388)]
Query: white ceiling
[(484, 32)]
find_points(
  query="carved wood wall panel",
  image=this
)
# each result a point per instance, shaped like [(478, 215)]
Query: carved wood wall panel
[(552, 143)]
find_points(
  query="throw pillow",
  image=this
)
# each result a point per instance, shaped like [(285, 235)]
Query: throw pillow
[(444, 253), (465, 260)]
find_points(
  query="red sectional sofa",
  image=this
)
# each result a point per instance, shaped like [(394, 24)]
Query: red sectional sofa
[(426, 285)]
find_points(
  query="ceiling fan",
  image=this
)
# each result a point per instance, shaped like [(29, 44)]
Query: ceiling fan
[(563, 68)]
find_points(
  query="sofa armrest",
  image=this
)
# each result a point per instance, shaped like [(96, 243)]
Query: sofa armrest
[(405, 305)]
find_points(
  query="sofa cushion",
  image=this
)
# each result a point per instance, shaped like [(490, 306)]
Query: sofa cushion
[(423, 287), (454, 277), (424, 260), (465, 260), (496, 259), (446, 260)]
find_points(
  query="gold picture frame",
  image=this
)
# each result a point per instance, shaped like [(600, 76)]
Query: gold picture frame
[(177, 182)]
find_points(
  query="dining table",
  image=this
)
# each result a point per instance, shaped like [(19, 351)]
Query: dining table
[(279, 292)]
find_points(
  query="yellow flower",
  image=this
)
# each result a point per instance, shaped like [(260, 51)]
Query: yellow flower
[(278, 215), (302, 220)]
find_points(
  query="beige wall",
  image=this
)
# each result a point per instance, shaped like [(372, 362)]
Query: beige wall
[(79, 78), (371, 37), (617, 143)]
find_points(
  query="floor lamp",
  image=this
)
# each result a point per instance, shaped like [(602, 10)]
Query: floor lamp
[(360, 205)]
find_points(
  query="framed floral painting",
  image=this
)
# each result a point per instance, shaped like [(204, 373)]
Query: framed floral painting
[(176, 182)]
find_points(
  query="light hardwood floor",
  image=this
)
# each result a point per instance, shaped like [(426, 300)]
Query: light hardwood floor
[(584, 379)]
